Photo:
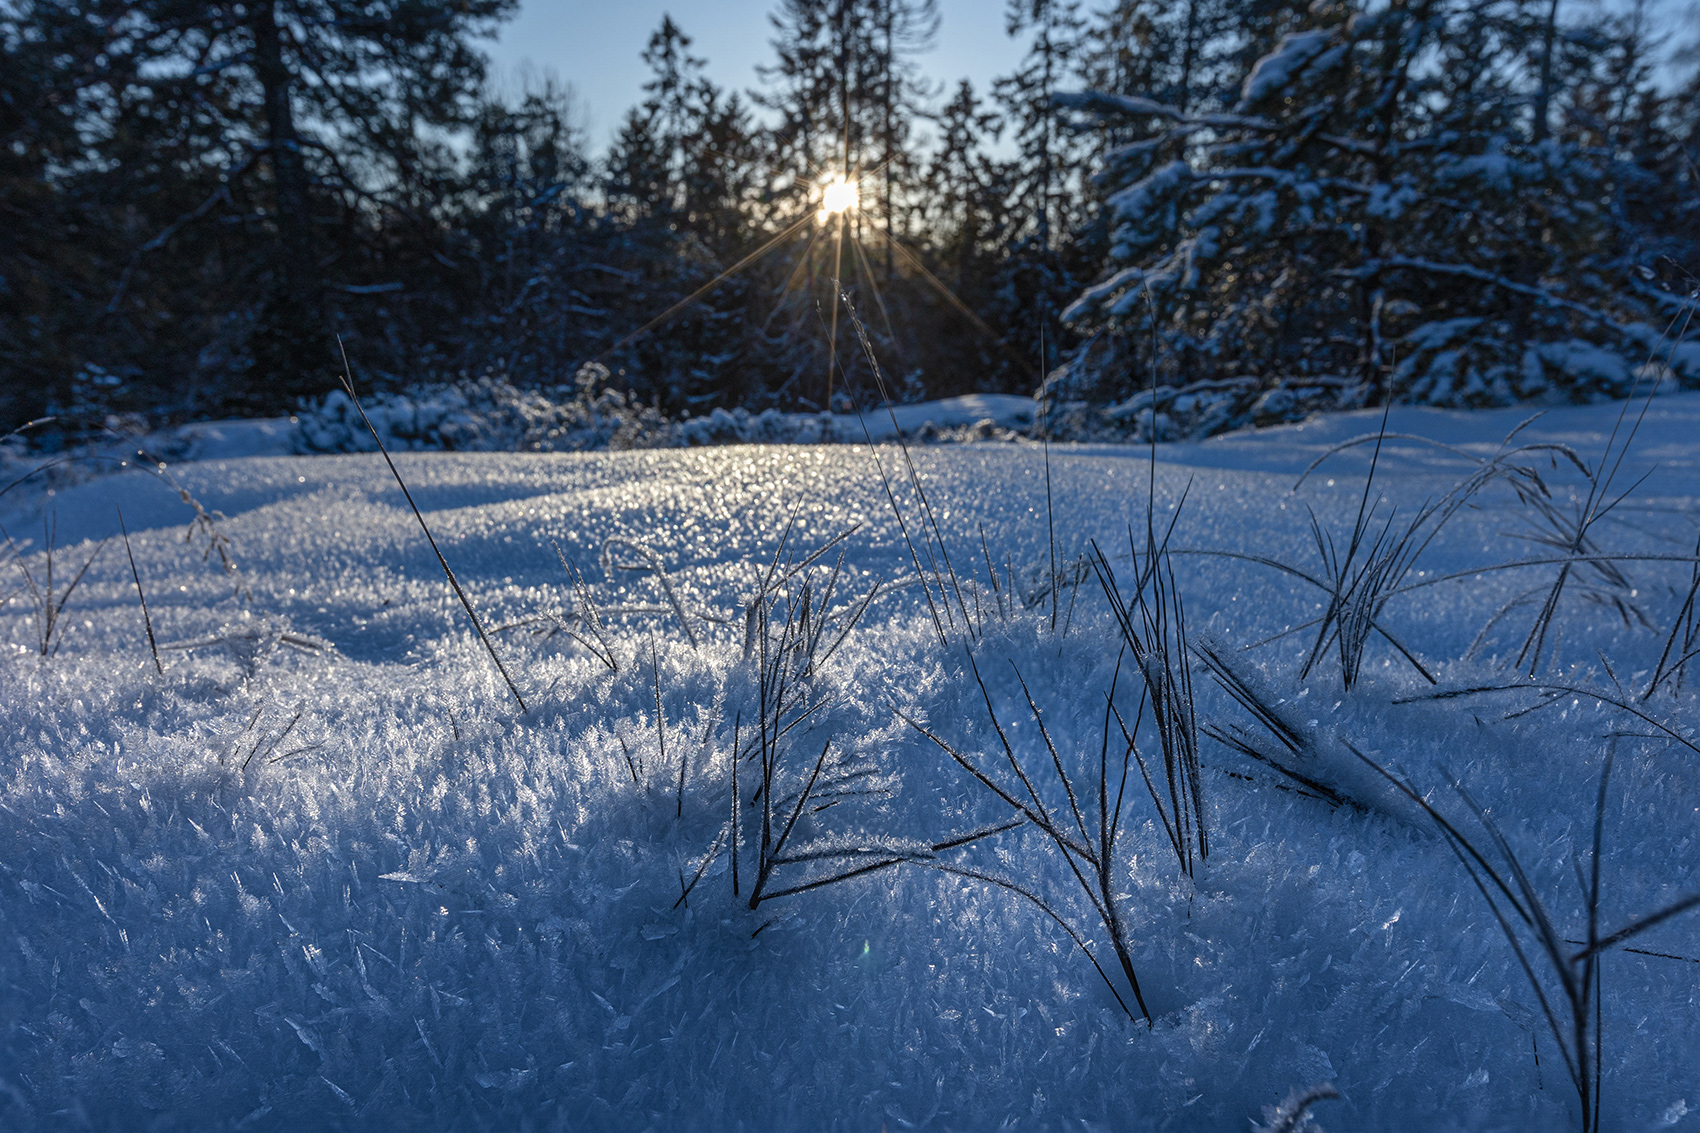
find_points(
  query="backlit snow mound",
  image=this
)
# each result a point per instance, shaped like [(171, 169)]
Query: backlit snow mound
[(323, 872)]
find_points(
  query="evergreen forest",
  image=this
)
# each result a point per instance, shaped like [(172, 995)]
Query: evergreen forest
[(1450, 202)]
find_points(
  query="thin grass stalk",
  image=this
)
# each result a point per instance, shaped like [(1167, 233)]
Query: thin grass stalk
[(737, 730), (1153, 626), (589, 615), (49, 602), (147, 619), (448, 572), (1684, 628), (1594, 507), (772, 848), (909, 463), (1554, 689), (897, 513), (1050, 507), (1091, 853)]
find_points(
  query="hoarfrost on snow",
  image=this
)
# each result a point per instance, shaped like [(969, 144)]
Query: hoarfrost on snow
[(351, 886)]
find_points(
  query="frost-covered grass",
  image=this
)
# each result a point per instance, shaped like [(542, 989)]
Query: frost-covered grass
[(323, 873)]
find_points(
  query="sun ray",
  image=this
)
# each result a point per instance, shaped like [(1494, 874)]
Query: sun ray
[(950, 297), (832, 343), (790, 284), (703, 290), (866, 271)]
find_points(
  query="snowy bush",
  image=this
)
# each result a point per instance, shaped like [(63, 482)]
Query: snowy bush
[(489, 415)]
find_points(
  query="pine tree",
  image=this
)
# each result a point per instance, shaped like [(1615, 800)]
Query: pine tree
[(967, 192), (531, 232), (45, 256)]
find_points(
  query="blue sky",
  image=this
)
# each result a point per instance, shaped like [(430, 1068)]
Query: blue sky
[(595, 46)]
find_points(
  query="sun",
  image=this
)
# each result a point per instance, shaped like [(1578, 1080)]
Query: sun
[(838, 197)]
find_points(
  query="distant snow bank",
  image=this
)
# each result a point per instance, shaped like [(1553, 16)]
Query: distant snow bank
[(490, 416)]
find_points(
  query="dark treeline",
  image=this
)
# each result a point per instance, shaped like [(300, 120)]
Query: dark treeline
[(1472, 200)]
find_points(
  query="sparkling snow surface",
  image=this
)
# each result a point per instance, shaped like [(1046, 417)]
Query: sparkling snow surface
[(353, 886)]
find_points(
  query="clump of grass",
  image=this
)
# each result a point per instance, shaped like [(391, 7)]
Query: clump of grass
[(204, 524), (1566, 981), (1570, 532), (1085, 836), (45, 592), (1153, 629), (1361, 574), (788, 652), (582, 621), (792, 628)]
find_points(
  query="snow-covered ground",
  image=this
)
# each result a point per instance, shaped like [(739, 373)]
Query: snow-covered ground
[(323, 872)]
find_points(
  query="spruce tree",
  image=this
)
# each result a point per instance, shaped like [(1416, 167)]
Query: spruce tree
[(681, 178), (1047, 189), (1404, 197)]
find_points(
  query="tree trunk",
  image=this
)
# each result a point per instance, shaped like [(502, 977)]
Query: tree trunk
[(289, 174), (288, 346), (889, 63), (1543, 96), (1189, 54)]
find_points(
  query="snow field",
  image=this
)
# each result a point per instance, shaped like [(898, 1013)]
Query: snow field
[(345, 883)]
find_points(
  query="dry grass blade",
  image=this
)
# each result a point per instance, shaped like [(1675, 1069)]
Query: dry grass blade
[(1638, 926), (1684, 633), (1079, 942), (1556, 690), (1089, 854), (1288, 734), (886, 857), (448, 572), (147, 618), (708, 859)]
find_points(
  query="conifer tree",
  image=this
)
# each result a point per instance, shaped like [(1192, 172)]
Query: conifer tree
[(285, 134), (682, 177), (1047, 191), (1400, 196)]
